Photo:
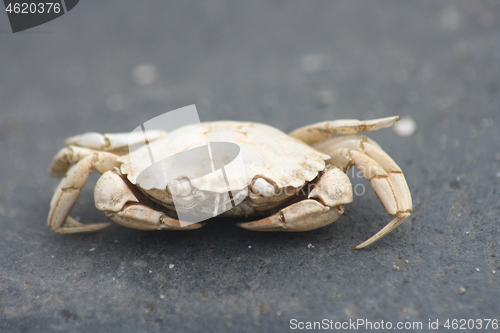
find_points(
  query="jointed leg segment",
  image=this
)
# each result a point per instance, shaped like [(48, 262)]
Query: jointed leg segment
[(383, 173), (113, 142), (314, 133), (83, 155), (69, 190)]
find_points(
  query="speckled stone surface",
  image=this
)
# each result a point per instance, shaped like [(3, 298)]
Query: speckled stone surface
[(108, 67)]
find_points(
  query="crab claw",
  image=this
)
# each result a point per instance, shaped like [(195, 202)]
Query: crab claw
[(304, 215), (324, 205)]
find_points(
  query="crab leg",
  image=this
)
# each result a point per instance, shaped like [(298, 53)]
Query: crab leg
[(113, 141), (85, 144), (124, 208), (324, 205), (384, 174), (66, 157), (314, 133), (70, 188)]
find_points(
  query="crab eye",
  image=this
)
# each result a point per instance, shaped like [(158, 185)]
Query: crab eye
[(179, 187), (263, 187)]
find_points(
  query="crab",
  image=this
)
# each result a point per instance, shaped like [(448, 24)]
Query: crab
[(293, 182)]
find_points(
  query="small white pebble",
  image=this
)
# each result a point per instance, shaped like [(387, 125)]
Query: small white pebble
[(477, 269), (115, 103), (171, 266), (11, 185), (405, 127), (145, 74), (493, 271), (407, 261), (450, 18), (249, 246), (312, 62), (412, 97), (486, 122), (400, 75), (459, 214), (75, 76), (310, 245), (162, 296), (442, 141), (446, 123), (325, 98), (467, 232), (92, 249), (150, 271), (461, 290)]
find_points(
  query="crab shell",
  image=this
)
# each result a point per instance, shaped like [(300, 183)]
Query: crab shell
[(266, 152)]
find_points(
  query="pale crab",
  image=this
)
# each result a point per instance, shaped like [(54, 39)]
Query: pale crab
[(280, 170)]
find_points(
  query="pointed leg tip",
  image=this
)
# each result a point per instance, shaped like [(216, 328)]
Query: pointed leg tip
[(400, 218), (271, 223), (178, 226), (72, 228), (361, 246), (194, 226), (250, 226)]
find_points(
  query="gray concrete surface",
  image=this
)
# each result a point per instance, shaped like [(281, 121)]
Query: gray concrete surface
[(285, 63)]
